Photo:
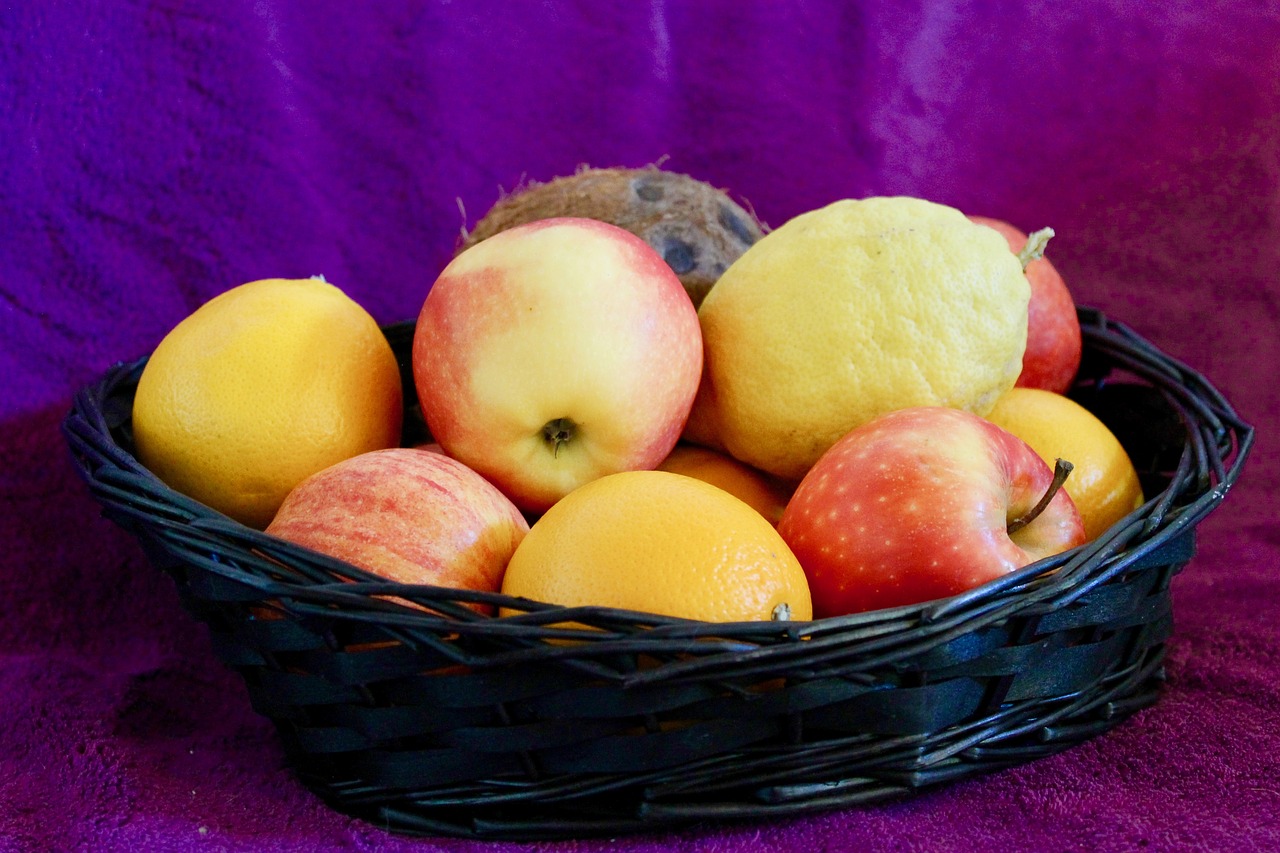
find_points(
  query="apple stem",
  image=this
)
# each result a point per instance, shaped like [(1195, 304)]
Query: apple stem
[(558, 432), (1036, 243), (1061, 468)]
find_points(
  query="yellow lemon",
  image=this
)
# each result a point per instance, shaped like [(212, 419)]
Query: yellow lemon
[(1103, 483), (261, 387), (853, 310), (659, 542)]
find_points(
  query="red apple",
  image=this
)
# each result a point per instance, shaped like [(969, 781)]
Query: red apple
[(1053, 349), (554, 353), (408, 515), (918, 505)]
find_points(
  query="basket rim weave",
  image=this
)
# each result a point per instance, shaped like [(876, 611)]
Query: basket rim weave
[(226, 566)]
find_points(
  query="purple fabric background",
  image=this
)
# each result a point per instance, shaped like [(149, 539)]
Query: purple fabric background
[(155, 153)]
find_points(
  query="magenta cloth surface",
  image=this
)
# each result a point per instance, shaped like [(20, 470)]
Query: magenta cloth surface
[(153, 154)]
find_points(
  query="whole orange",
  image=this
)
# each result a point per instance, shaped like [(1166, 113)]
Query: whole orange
[(663, 543), (766, 495), (1104, 483), (261, 387)]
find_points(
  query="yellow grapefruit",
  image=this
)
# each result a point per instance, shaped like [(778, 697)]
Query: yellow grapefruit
[(261, 387)]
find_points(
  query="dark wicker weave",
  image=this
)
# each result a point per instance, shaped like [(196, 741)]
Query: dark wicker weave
[(459, 724)]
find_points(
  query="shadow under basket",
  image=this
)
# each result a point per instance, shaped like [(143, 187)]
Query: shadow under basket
[(454, 723)]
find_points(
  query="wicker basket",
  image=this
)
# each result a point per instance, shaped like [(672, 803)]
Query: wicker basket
[(452, 723)]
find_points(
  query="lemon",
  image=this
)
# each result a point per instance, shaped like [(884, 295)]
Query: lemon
[(853, 310), (261, 387)]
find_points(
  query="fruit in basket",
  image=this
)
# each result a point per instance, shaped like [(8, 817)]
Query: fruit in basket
[(766, 495), (851, 311), (555, 353), (920, 504), (1054, 344), (703, 427), (261, 387), (697, 229), (660, 543), (1104, 484), (408, 515)]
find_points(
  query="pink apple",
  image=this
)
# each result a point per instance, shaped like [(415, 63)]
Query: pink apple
[(918, 505), (408, 515), (554, 353), (1053, 351)]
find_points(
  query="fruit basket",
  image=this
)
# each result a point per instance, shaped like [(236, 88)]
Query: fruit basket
[(561, 722)]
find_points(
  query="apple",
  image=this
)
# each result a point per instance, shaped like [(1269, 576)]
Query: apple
[(1053, 349), (555, 353), (920, 504), (408, 515)]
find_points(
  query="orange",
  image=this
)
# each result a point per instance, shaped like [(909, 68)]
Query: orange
[(762, 493), (261, 387), (664, 543), (1104, 483)]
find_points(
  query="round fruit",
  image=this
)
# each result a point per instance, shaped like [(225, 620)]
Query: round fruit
[(411, 516), (854, 310), (703, 427), (658, 542), (697, 229), (921, 504), (1103, 484), (759, 491), (1052, 357), (261, 387), (554, 353)]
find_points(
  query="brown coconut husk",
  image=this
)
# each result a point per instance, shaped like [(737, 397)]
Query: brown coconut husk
[(696, 228)]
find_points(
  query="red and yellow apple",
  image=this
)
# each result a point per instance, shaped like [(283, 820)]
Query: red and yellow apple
[(408, 515), (1053, 351), (920, 504), (554, 353)]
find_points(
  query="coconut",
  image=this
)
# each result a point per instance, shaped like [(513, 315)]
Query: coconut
[(697, 229)]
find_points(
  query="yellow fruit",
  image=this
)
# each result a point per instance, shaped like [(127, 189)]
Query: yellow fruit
[(261, 387), (854, 310), (758, 490), (1103, 484), (660, 543)]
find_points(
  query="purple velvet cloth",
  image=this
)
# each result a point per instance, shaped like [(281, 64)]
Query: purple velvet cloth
[(153, 154)]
